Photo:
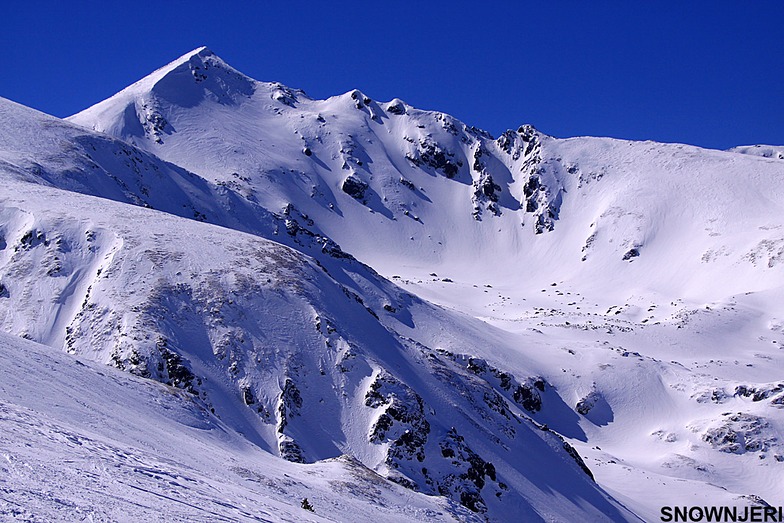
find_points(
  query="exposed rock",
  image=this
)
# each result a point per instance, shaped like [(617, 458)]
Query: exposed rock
[(526, 394), (430, 154), (31, 239), (486, 191), (448, 123), (247, 396), (285, 95), (530, 136), (299, 226), (718, 395), (403, 422), (290, 450), (587, 402), (407, 183), (152, 121), (542, 188), (397, 107), (759, 393), (360, 100), (289, 403), (354, 187), (507, 142), (631, 253), (577, 458), (472, 472), (176, 371), (741, 432)]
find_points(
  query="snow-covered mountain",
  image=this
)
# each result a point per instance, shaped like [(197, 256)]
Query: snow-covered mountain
[(522, 327)]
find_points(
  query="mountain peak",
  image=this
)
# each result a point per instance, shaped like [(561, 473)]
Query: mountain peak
[(191, 67), (198, 55), (200, 51), (187, 80), (191, 79)]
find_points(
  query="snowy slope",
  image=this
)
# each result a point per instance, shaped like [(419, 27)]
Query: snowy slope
[(434, 185), (295, 359), (431, 296), (81, 441), (766, 151)]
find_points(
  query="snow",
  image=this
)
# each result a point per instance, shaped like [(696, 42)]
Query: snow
[(775, 152), (181, 231), (85, 441)]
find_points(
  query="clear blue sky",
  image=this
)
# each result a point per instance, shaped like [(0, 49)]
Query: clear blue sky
[(708, 73)]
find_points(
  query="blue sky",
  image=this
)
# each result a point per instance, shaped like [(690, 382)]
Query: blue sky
[(707, 73)]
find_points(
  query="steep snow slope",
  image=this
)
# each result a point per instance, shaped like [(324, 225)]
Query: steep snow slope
[(80, 441), (627, 295), (399, 187), (307, 359)]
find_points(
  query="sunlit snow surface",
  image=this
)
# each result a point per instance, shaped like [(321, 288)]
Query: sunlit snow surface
[(321, 279), (83, 442)]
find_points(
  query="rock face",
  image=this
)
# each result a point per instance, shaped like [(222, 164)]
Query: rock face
[(741, 432), (289, 405), (397, 107), (402, 423), (429, 154), (486, 191), (542, 191), (587, 402), (354, 187), (424, 454), (526, 394), (472, 473), (761, 392)]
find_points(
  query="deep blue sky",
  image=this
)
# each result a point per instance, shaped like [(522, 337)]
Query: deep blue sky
[(708, 73)]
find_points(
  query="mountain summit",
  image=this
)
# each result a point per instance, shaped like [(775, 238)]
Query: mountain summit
[(194, 77), (504, 328), (435, 188)]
